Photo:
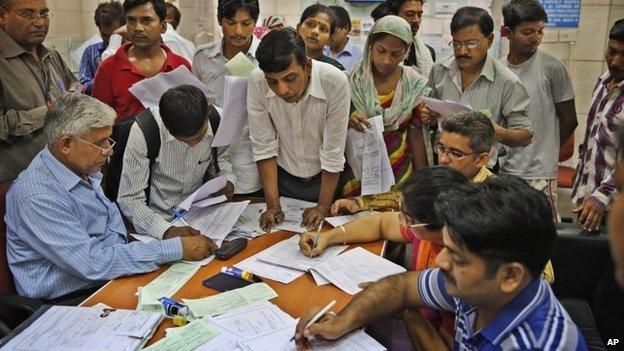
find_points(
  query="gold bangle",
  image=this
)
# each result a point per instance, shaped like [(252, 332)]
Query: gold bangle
[(344, 231)]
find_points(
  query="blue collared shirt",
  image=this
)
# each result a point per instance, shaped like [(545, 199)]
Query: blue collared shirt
[(349, 56), (91, 59), (64, 235), (533, 320)]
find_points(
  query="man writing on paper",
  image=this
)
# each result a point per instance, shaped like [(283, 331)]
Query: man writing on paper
[(237, 19), (298, 114), (32, 76), (473, 77), (497, 237), (148, 193), (63, 234)]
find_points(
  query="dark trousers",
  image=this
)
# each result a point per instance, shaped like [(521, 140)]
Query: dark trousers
[(298, 188), (74, 298)]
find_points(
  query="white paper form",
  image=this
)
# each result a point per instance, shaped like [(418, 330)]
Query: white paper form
[(234, 113), (256, 319), (279, 340), (356, 266), (444, 107), (342, 220), (276, 340), (202, 196), (318, 279), (230, 300), (368, 157), (82, 328), (148, 91), (266, 270), (216, 221), (249, 220), (293, 214), (287, 254), (169, 281)]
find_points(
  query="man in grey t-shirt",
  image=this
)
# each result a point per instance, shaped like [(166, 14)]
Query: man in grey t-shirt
[(551, 109)]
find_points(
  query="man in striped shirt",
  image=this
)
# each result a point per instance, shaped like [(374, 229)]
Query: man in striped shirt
[(184, 162), (64, 237), (594, 184), (498, 236), (473, 77)]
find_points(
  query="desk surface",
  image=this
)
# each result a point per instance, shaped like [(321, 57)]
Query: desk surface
[(294, 298)]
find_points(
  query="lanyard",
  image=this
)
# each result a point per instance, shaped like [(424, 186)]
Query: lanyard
[(44, 86)]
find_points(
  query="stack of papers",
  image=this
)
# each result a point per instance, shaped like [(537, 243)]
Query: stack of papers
[(86, 328), (216, 221), (284, 261), (230, 300), (342, 220), (187, 338), (368, 157), (356, 266)]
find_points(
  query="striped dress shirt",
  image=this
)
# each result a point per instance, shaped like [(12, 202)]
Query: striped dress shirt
[(533, 320), (64, 235), (594, 179), (177, 172), (497, 90)]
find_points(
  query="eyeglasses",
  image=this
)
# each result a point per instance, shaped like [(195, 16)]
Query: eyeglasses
[(469, 44), (102, 150), (451, 153), (33, 16)]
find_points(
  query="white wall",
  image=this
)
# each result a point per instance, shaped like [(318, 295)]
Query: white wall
[(73, 23)]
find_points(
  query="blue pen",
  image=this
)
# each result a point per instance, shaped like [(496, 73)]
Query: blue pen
[(177, 214)]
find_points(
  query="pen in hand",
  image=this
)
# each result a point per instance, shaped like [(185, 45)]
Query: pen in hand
[(177, 215), (318, 316), (318, 232)]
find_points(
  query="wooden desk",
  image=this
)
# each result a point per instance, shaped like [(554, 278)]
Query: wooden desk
[(294, 298)]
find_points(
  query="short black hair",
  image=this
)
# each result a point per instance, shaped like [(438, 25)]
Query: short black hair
[(421, 190), (159, 6), (108, 13), (518, 11), (278, 48), (6, 4), (617, 30), (313, 10), (469, 16), (474, 125), (228, 8), (184, 110), (394, 6), (380, 11), (177, 16), (501, 220), (341, 15)]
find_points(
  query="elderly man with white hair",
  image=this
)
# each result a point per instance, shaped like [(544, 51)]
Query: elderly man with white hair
[(64, 237)]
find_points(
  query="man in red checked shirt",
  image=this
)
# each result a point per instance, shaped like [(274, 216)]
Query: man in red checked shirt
[(143, 57)]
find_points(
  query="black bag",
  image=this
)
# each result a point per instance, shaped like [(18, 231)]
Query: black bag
[(151, 132)]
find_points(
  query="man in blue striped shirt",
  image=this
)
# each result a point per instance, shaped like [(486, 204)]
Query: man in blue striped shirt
[(63, 234), (498, 236)]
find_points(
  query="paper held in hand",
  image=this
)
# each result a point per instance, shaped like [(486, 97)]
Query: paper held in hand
[(445, 107), (202, 197)]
